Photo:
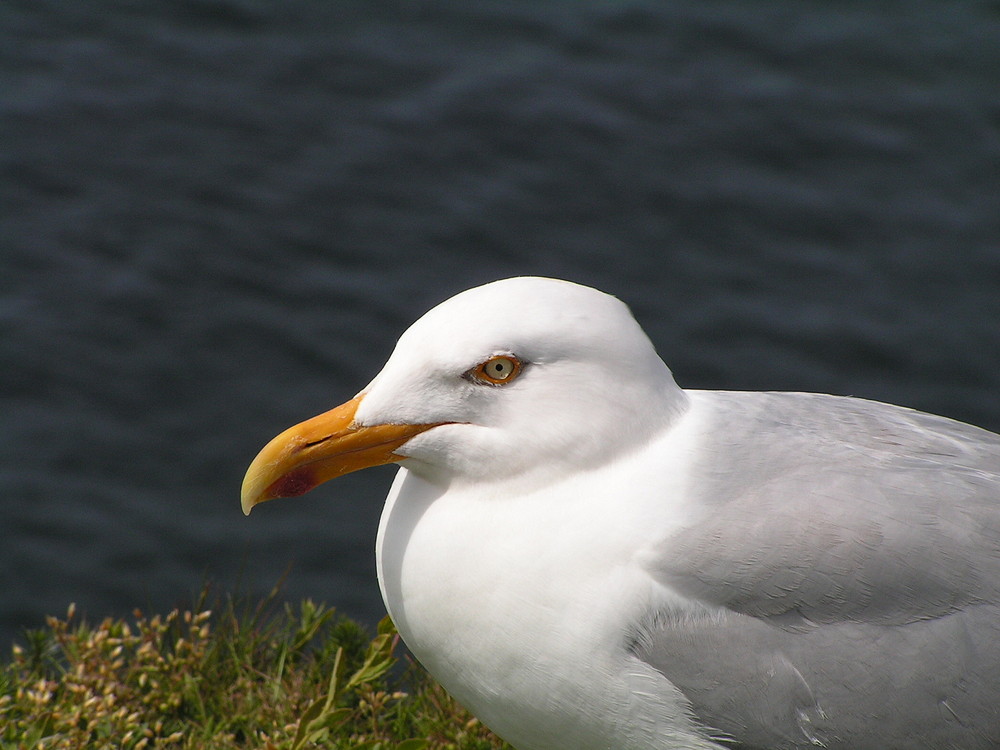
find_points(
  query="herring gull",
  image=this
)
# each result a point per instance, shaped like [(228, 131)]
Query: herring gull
[(589, 557)]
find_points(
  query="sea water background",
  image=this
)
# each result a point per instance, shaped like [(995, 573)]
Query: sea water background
[(217, 216)]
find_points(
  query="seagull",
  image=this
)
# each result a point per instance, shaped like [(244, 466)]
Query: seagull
[(589, 557)]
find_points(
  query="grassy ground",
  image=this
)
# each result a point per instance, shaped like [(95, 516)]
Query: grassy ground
[(224, 676)]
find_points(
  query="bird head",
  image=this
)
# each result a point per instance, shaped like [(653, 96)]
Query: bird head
[(520, 376)]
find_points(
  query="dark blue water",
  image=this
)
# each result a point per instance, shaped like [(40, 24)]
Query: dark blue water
[(217, 215)]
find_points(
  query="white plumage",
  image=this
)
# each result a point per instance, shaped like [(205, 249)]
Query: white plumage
[(590, 557)]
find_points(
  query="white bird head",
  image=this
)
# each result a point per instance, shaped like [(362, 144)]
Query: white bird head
[(519, 376)]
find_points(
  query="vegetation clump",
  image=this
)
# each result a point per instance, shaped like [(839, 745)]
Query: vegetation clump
[(225, 677)]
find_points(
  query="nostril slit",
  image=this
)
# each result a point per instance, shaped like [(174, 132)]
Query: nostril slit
[(311, 443)]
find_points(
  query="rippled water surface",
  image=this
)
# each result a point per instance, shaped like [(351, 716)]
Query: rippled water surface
[(217, 215)]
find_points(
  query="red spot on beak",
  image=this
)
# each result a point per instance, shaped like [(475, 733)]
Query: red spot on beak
[(293, 484)]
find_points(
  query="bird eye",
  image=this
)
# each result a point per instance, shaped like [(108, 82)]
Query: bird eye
[(497, 370)]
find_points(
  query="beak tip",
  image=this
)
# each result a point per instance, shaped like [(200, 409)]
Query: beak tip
[(250, 494)]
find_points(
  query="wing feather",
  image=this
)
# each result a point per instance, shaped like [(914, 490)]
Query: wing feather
[(832, 509), (849, 567)]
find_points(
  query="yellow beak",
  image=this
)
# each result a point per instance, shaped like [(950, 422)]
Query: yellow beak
[(322, 448)]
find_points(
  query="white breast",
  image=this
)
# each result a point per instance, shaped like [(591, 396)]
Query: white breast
[(521, 602)]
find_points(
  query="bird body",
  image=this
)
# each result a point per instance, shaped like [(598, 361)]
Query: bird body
[(518, 613), (589, 557)]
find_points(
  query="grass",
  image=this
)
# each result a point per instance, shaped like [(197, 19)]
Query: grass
[(226, 676)]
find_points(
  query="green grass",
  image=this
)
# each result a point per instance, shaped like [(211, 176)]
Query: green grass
[(226, 676)]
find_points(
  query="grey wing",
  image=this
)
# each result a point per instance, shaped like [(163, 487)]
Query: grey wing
[(849, 560)]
